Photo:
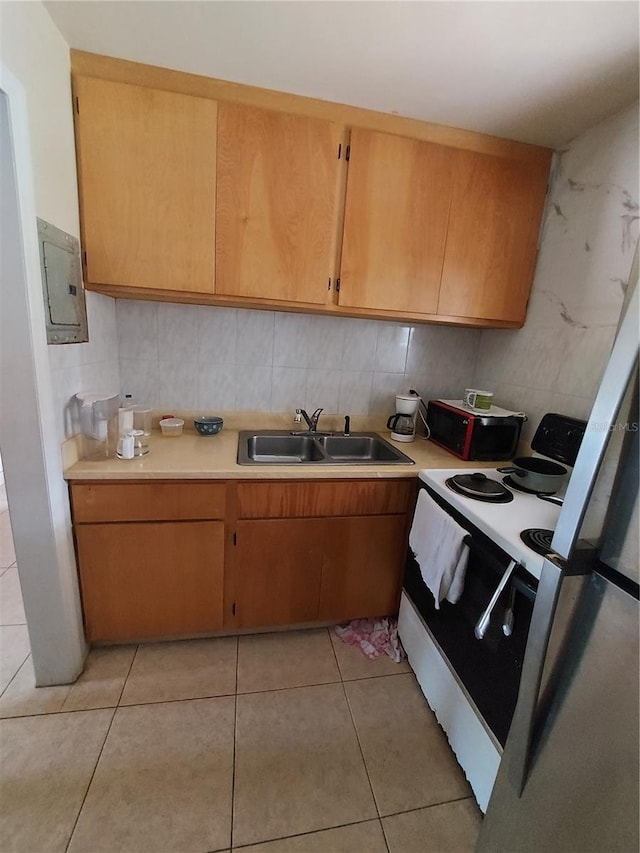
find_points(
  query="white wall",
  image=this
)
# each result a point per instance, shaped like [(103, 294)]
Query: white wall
[(590, 229), (221, 359), (36, 53), (35, 76)]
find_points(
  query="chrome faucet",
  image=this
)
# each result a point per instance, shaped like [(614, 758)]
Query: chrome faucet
[(312, 421)]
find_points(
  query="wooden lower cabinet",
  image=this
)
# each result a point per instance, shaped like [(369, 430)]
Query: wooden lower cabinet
[(298, 570), (278, 566), (362, 567), (178, 559), (151, 579)]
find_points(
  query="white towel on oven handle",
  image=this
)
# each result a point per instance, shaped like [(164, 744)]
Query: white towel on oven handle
[(436, 540)]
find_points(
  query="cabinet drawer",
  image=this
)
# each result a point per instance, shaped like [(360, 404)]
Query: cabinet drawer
[(307, 499), (151, 501)]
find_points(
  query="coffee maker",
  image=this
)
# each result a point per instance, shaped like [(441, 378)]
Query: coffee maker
[(99, 424), (403, 423)]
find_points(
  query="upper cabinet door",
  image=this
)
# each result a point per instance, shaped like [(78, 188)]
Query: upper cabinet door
[(492, 240), (277, 199), (147, 171), (397, 210)]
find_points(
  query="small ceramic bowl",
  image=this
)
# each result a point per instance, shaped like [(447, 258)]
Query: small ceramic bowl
[(208, 424), (171, 426)]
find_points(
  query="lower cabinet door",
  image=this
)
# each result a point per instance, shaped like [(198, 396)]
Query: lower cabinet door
[(362, 567), (151, 579), (277, 566)]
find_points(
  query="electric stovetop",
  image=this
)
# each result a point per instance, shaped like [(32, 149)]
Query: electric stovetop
[(501, 522)]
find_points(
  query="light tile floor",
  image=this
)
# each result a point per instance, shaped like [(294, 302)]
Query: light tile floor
[(275, 743)]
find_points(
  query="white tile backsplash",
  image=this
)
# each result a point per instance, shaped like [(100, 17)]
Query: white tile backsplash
[(217, 334), (177, 333), (326, 341), (217, 387), (278, 361), (355, 392), (288, 388), (360, 345), (323, 389), (291, 341), (254, 344), (253, 388), (384, 388), (177, 384), (141, 378), (391, 348), (137, 329)]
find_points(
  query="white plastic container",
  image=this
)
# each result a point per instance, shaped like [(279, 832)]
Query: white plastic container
[(171, 426)]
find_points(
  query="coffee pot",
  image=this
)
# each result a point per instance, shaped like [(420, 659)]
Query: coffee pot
[(99, 424), (403, 423)]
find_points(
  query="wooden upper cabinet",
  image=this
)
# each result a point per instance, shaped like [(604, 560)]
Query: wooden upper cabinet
[(147, 172), (277, 204), (395, 228), (492, 240)]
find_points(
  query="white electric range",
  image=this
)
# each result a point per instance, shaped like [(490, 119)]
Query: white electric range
[(468, 656), (472, 684)]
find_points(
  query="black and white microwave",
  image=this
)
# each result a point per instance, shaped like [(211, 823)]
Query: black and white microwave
[(473, 435)]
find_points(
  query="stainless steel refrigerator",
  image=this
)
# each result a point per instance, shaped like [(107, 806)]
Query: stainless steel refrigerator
[(568, 780)]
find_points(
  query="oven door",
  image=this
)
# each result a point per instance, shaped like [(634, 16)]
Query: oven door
[(489, 669)]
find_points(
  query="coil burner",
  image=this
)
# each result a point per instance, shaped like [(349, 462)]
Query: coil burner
[(538, 539)]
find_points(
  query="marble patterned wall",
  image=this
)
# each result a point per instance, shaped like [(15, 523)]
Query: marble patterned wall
[(555, 362), (223, 359)]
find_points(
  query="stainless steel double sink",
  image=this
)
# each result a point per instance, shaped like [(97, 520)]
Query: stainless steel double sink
[(278, 447)]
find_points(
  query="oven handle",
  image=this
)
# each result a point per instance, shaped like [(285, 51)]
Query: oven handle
[(483, 621)]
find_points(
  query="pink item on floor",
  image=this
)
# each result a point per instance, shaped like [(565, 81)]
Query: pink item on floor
[(374, 637)]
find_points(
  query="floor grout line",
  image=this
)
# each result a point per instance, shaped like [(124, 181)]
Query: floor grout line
[(95, 767), (235, 735), (303, 834), (428, 806), (364, 760), (14, 676), (126, 678)]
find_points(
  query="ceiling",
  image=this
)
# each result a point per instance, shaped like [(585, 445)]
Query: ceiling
[(539, 72)]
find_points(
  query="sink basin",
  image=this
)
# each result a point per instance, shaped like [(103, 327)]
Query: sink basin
[(276, 447), (359, 448), (285, 449)]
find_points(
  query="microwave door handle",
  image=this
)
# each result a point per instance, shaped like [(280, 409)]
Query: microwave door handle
[(483, 621)]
